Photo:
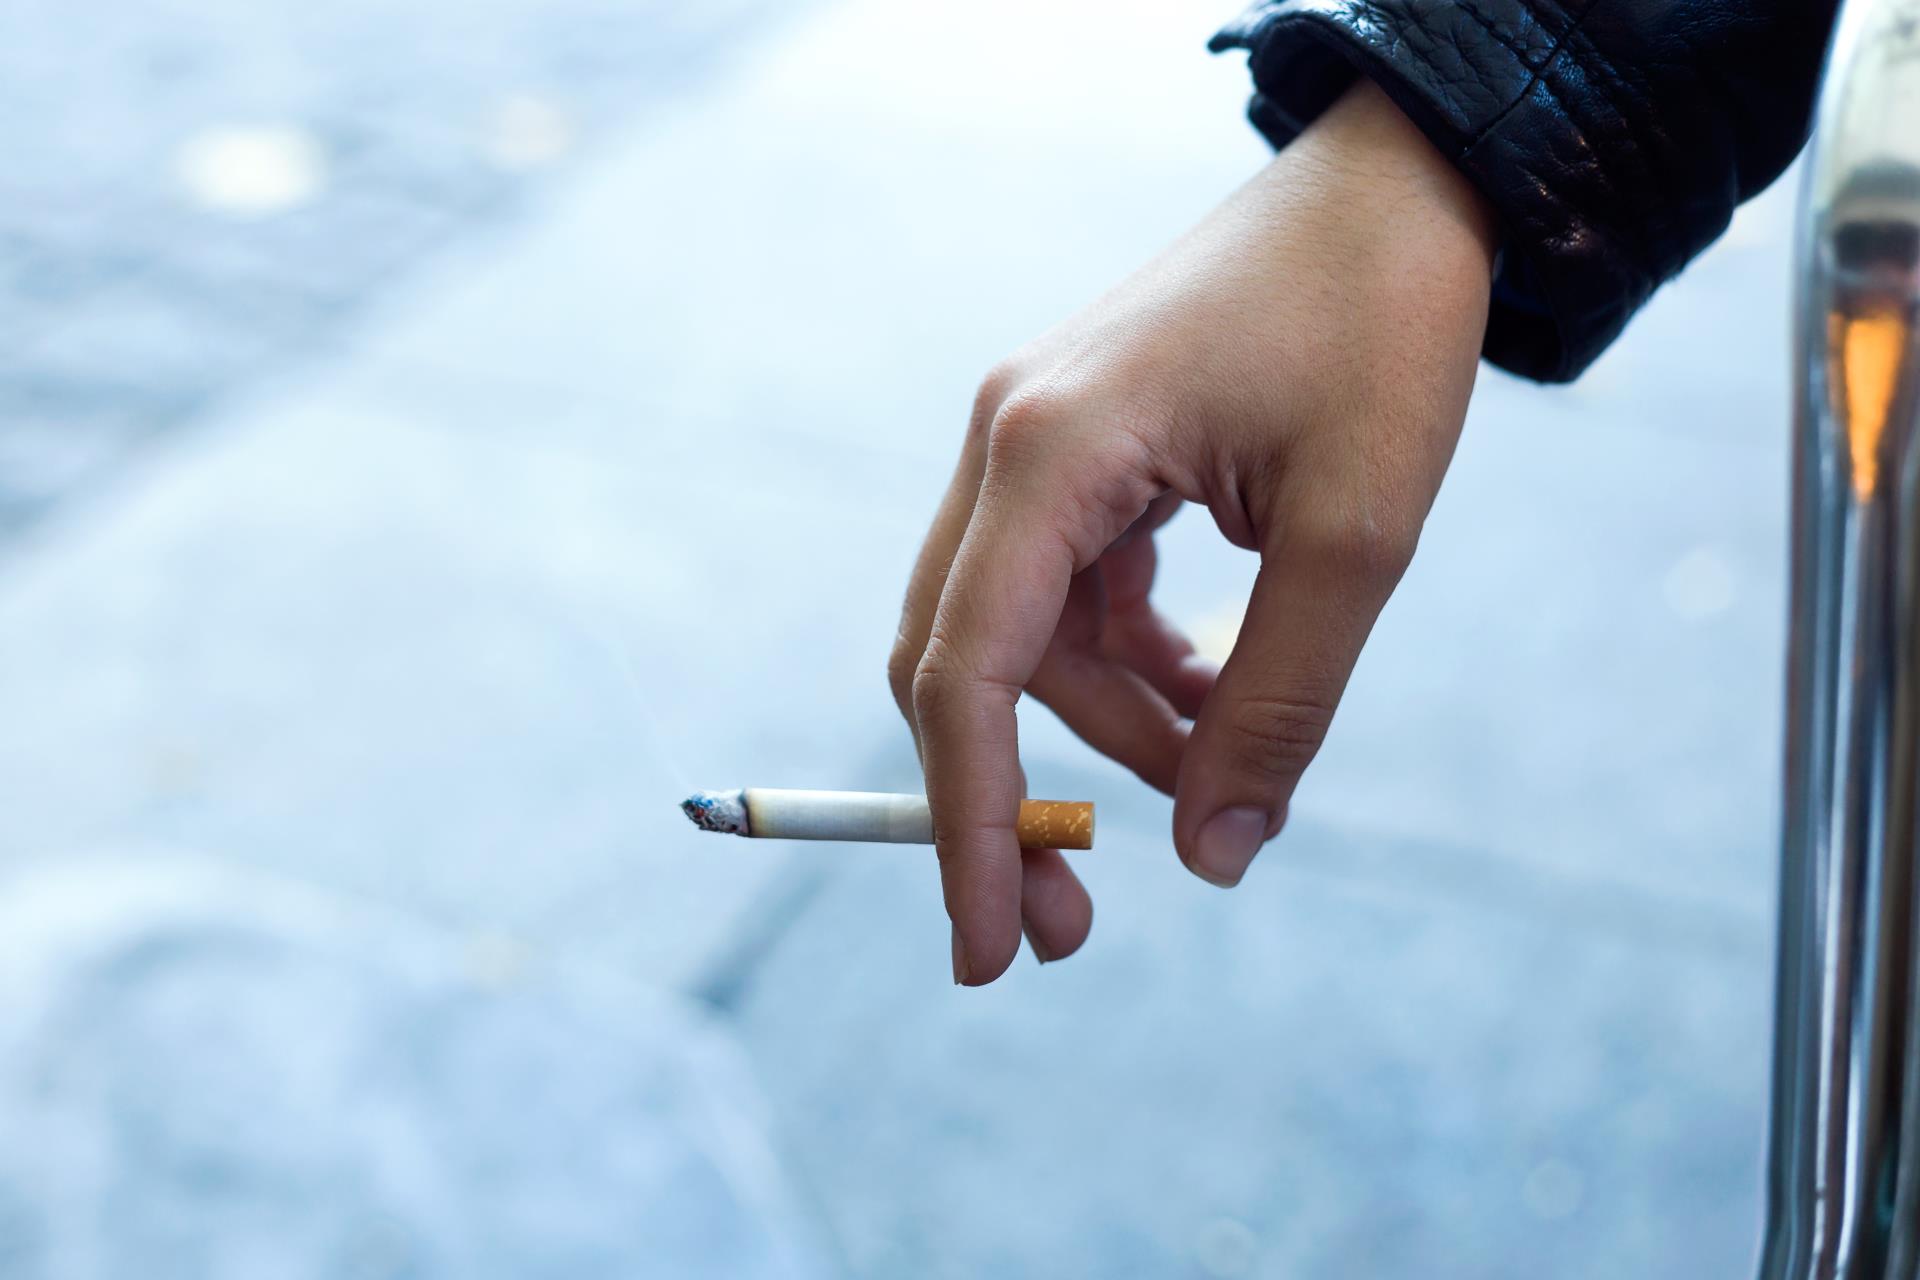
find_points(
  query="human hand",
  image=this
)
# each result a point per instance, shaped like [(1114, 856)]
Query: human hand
[(1299, 363)]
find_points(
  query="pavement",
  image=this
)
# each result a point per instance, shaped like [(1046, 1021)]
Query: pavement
[(198, 194), (613, 498)]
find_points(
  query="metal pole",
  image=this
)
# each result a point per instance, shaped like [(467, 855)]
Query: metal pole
[(1843, 1180)]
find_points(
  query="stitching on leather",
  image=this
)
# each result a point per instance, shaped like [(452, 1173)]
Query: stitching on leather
[(1511, 41), (1499, 37), (1534, 81)]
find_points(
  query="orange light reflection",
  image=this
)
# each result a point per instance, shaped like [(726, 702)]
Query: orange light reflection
[(1865, 355)]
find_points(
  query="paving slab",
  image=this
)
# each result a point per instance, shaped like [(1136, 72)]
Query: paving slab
[(205, 1072), (198, 193)]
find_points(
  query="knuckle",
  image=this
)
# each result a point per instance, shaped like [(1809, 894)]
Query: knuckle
[(901, 664), (1279, 736), (1019, 425), (1365, 548), (1084, 486), (994, 391), (931, 687)]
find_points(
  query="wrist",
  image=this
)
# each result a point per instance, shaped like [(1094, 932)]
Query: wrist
[(1373, 142)]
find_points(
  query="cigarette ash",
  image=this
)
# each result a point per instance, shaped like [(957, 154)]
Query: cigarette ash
[(722, 811)]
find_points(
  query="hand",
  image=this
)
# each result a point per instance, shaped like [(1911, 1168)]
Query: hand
[(1300, 364)]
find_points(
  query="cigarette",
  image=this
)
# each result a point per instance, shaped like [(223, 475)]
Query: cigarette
[(767, 813)]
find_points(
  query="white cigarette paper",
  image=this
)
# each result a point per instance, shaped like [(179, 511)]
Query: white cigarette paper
[(769, 813), (773, 814)]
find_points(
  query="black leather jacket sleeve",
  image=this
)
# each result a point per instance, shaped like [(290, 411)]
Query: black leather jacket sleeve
[(1613, 138)]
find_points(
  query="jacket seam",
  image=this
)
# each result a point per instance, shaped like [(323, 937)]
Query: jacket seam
[(1534, 80), (1487, 23)]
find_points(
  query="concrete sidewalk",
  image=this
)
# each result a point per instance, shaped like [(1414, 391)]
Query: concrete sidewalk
[(621, 504), (200, 193)]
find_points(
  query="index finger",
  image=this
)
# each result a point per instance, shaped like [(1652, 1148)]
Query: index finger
[(996, 615)]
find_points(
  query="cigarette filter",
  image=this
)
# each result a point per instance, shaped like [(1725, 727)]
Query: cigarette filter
[(768, 813)]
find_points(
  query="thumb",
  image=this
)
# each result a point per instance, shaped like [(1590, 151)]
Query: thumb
[(1313, 604)]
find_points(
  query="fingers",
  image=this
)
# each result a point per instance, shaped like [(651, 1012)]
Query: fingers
[(1055, 912), (1138, 637), (931, 568), (1321, 585), (1158, 512), (989, 633), (1112, 708), (995, 621), (1117, 714)]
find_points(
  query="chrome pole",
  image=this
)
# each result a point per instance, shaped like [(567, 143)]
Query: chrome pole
[(1843, 1179)]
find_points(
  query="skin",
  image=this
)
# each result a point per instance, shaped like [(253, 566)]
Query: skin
[(1299, 364)]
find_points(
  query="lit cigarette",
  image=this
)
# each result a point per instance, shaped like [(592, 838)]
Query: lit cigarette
[(765, 813)]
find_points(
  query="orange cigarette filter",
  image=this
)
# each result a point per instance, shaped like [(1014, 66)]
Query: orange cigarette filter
[(1055, 824)]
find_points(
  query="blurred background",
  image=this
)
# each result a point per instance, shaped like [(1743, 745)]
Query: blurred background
[(433, 440)]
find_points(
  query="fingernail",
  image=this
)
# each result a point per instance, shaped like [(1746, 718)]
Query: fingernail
[(1226, 844), (959, 960), (1040, 953)]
